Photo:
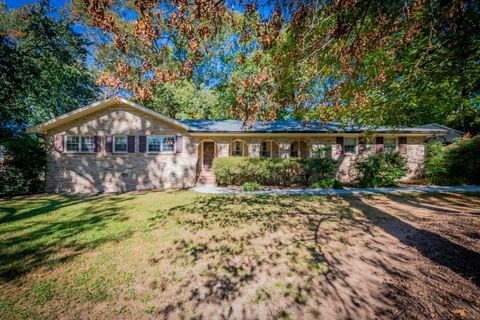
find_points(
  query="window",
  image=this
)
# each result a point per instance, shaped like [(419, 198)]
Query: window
[(156, 144), (72, 143), (119, 143), (350, 145), (269, 149), (299, 149), (86, 144), (168, 144), (323, 152), (79, 143), (238, 148), (389, 144)]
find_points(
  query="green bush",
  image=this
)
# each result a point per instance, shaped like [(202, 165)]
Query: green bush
[(382, 169), (22, 171), (285, 172), (457, 163), (250, 186), (435, 165), (327, 183)]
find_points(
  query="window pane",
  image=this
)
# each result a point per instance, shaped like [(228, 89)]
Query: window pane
[(154, 143), (350, 145), (87, 144), (237, 148), (294, 149), (120, 143), (265, 150), (168, 144), (73, 143), (390, 144)]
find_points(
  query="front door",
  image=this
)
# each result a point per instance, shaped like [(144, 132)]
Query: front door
[(208, 154)]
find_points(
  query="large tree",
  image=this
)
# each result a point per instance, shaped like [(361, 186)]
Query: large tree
[(43, 67), (367, 62)]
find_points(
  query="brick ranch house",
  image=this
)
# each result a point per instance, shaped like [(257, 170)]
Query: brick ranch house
[(115, 145)]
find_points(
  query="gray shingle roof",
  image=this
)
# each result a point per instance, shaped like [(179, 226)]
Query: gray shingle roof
[(449, 137), (293, 126)]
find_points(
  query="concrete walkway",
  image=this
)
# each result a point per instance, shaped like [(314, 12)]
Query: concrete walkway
[(354, 191)]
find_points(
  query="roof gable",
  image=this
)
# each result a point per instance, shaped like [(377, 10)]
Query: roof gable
[(97, 106)]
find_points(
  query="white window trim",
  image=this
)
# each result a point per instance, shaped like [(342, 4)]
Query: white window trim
[(113, 144), (244, 148), (79, 143), (161, 145), (356, 145), (270, 143), (299, 148), (396, 143)]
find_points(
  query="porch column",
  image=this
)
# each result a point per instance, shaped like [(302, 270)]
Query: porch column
[(284, 147), (254, 148)]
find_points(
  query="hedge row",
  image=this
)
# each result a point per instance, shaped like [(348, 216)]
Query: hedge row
[(458, 163), (282, 172)]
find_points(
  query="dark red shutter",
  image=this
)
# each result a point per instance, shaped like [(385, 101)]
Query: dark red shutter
[(97, 144), (379, 144), (339, 145), (131, 144), (402, 145), (179, 144), (142, 144), (109, 143), (362, 144), (59, 139)]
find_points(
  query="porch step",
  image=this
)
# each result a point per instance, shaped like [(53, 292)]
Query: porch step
[(206, 177)]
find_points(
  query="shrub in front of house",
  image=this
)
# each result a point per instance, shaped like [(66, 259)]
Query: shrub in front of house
[(280, 172), (435, 165), (381, 169), (327, 183), (458, 163), (250, 186)]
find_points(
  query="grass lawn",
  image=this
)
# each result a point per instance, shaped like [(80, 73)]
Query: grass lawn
[(186, 255)]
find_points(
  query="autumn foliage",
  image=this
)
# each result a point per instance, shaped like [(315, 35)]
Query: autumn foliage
[(321, 60)]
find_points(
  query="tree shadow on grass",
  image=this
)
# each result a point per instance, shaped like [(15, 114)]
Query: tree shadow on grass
[(30, 239), (447, 203), (287, 238), (47, 205), (308, 227), (438, 249)]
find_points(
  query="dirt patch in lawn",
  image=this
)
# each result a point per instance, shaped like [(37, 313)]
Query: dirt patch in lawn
[(439, 235), (266, 257)]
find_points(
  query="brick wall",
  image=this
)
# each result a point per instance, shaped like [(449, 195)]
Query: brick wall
[(114, 172)]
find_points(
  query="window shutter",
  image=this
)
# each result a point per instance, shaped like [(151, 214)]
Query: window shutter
[(339, 145), (109, 143), (362, 144), (59, 139), (179, 144), (97, 144), (142, 144), (379, 144), (402, 145), (131, 144)]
